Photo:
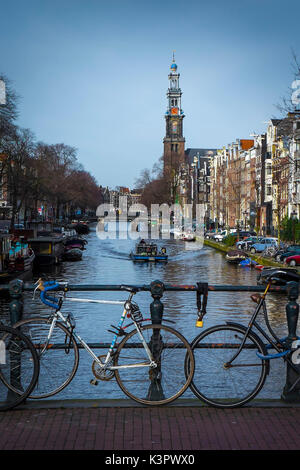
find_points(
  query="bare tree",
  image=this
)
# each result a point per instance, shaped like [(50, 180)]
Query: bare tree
[(17, 175), (8, 110), (290, 102)]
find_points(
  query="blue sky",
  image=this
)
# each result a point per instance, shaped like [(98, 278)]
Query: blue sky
[(93, 74)]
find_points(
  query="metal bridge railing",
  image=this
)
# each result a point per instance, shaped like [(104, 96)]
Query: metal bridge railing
[(16, 288)]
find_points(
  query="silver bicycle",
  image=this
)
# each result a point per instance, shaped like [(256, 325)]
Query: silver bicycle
[(148, 362)]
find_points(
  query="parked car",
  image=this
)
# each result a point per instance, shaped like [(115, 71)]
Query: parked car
[(210, 235), (235, 236), (292, 260), (246, 243), (244, 234), (263, 244), (289, 251), (219, 236)]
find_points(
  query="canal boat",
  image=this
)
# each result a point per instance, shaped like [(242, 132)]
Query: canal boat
[(48, 250), (72, 254), (248, 263), (149, 252), (75, 242), (236, 256), (16, 258), (81, 227)]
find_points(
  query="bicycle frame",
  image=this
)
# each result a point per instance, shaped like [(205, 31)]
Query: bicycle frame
[(104, 365)]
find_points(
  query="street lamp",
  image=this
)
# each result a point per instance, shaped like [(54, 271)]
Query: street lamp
[(294, 217), (245, 214)]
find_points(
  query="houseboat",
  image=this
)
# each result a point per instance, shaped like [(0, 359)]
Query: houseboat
[(16, 258), (48, 250)]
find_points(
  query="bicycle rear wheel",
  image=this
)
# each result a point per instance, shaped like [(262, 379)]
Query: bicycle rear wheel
[(222, 386), (58, 362), (146, 384), (19, 367)]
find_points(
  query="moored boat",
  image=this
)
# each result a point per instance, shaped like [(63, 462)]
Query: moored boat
[(75, 242), (72, 254), (48, 250), (236, 256), (16, 258), (81, 227)]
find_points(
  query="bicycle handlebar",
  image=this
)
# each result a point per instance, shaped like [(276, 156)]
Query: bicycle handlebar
[(46, 299)]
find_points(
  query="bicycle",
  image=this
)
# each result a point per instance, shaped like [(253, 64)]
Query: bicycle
[(236, 359), (148, 362), (19, 367), (269, 252)]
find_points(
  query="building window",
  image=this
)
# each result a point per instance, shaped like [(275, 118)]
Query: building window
[(269, 190), (269, 168)]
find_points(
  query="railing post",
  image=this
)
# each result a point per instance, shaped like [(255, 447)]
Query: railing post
[(157, 307), (155, 391), (292, 314), (16, 304), (16, 312)]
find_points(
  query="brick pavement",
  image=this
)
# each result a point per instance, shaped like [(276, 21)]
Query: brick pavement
[(140, 428)]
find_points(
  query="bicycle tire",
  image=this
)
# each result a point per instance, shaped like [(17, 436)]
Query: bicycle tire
[(154, 386), (57, 366), (19, 367), (223, 387)]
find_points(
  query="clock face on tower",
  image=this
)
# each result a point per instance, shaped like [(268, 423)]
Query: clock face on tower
[(174, 110)]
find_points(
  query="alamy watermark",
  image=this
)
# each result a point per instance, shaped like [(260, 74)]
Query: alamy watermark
[(2, 352), (2, 93), (163, 221)]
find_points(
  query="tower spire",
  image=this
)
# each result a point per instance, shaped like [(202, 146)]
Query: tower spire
[(174, 141)]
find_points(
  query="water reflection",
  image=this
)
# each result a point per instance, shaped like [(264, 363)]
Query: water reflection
[(107, 262)]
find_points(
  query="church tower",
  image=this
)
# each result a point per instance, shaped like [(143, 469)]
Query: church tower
[(174, 141)]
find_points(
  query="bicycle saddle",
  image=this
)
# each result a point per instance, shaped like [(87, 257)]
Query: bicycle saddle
[(256, 298)]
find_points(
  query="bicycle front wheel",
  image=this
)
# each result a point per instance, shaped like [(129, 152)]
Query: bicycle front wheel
[(58, 359), (224, 386), (19, 368), (154, 385)]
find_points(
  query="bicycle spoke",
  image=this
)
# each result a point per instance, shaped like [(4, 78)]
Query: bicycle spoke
[(168, 380), (221, 382), (57, 368)]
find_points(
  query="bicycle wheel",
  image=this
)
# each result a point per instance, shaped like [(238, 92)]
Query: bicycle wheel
[(234, 386), (58, 362), (146, 384), (19, 367)]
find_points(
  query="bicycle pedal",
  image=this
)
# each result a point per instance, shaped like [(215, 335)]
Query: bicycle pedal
[(94, 382)]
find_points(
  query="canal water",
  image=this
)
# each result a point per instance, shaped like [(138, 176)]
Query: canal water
[(107, 262)]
